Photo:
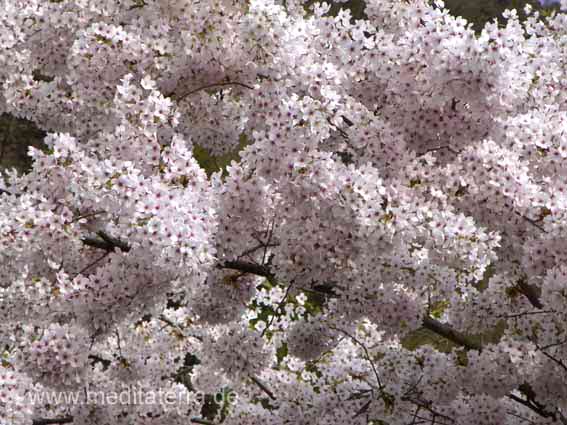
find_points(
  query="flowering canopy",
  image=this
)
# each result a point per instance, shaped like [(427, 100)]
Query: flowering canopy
[(390, 247)]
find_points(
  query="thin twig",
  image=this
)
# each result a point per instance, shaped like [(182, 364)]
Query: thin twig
[(255, 248), (118, 343), (337, 128), (532, 222), (555, 344), (178, 328), (278, 309), (509, 412), (209, 86), (553, 359), (541, 412), (415, 416), (92, 264), (366, 353), (426, 405), (525, 313), (270, 234)]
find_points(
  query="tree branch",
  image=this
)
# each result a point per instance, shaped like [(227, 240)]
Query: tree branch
[(531, 293), (178, 328), (106, 242), (263, 387), (98, 359), (527, 403), (447, 332), (248, 267), (201, 421), (46, 421)]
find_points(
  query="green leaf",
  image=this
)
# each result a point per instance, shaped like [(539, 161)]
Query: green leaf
[(212, 164), (281, 352), (438, 308), (99, 38), (414, 182)]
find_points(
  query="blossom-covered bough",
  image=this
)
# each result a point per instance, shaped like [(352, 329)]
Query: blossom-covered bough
[(390, 247)]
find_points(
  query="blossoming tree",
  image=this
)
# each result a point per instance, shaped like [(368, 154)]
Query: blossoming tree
[(390, 247)]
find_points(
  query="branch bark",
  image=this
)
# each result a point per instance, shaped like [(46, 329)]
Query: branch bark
[(248, 267), (263, 387), (106, 242), (49, 421), (447, 332), (531, 293), (202, 421)]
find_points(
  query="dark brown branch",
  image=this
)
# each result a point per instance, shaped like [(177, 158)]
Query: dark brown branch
[(553, 359), (201, 421), (340, 130), (541, 412), (251, 268), (347, 121), (46, 421), (532, 222), (426, 405), (117, 243), (96, 243), (94, 263), (98, 359), (109, 243), (106, 242), (263, 387), (363, 409), (555, 344), (451, 334), (525, 313), (531, 293), (511, 413)]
